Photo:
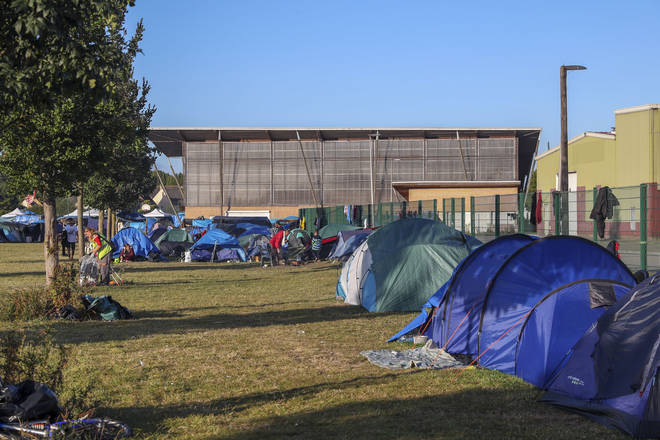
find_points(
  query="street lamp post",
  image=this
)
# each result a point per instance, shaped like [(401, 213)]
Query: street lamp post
[(563, 153)]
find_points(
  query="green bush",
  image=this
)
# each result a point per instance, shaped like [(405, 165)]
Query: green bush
[(25, 304), (43, 302)]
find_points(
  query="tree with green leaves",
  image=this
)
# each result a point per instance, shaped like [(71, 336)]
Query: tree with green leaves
[(62, 63), (9, 200), (129, 158)]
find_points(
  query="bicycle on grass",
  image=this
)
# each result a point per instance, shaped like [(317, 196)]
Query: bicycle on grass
[(83, 429)]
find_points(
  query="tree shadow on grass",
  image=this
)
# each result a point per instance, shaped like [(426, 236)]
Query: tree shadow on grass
[(95, 331), (22, 274), (190, 267), (472, 413), (148, 417)]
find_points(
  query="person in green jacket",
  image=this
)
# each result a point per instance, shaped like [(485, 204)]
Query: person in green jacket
[(103, 251)]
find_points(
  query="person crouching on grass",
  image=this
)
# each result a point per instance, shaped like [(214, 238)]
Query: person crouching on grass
[(103, 251)]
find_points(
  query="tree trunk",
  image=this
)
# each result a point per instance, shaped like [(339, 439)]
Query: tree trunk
[(50, 237), (101, 221), (109, 229), (81, 226)]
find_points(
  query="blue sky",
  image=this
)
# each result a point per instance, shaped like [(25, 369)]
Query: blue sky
[(397, 63)]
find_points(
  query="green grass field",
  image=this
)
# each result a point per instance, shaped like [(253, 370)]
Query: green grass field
[(236, 351)]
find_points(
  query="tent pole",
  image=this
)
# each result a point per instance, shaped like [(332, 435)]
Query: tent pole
[(309, 177), (167, 195), (175, 178)]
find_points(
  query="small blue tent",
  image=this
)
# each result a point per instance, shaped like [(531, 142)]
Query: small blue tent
[(612, 374), (140, 243), (222, 242), (506, 302), (348, 241)]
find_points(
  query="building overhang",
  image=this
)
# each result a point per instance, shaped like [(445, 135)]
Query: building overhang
[(169, 140), (456, 184)]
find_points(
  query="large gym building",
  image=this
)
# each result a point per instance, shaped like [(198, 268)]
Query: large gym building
[(275, 171)]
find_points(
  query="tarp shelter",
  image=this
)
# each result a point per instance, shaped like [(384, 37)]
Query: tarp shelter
[(348, 241), (11, 232), (86, 213), (90, 217), (157, 213), (520, 303), (226, 247), (130, 216), (174, 242), (402, 264), (16, 212), (612, 374), (140, 243), (333, 229)]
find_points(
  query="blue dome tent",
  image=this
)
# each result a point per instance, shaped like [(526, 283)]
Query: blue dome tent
[(470, 278), (226, 247), (506, 302), (140, 243), (612, 374)]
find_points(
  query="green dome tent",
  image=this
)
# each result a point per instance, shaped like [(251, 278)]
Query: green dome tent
[(401, 265)]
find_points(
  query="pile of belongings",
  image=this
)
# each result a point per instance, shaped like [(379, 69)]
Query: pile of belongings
[(106, 308), (27, 400)]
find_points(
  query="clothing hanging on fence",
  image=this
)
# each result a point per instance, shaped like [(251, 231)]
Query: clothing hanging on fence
[(532, 211), (539, 209), (603, 208)]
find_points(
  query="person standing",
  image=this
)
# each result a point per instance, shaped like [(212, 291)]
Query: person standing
[(71, 231), (103, 251), (64, 241), (316, 245)]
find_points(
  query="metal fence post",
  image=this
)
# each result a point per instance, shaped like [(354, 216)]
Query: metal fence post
[(419, 208), (595, 196), (642, 226), (462, 214), (497, 215), (404, 208), (453, 213), (370, 216), (473, 217), (435, 209), (557, 205), (521, 213), (444, 211)]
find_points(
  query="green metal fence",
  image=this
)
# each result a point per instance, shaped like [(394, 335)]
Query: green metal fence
[(634, 221)]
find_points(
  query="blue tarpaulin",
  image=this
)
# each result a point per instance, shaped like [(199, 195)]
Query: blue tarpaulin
[(141, 245)]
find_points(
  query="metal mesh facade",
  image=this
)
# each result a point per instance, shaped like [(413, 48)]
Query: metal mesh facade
[(274, 173)]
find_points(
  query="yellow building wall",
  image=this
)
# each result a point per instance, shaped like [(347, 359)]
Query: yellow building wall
[(634, 152), (593, 159)]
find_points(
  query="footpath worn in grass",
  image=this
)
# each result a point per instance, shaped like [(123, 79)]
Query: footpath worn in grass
[(236, 351)]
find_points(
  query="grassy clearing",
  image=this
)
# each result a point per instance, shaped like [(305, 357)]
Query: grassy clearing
[(241, 352)]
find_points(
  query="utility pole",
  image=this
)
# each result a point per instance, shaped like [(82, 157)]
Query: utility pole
[(563, 150)]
